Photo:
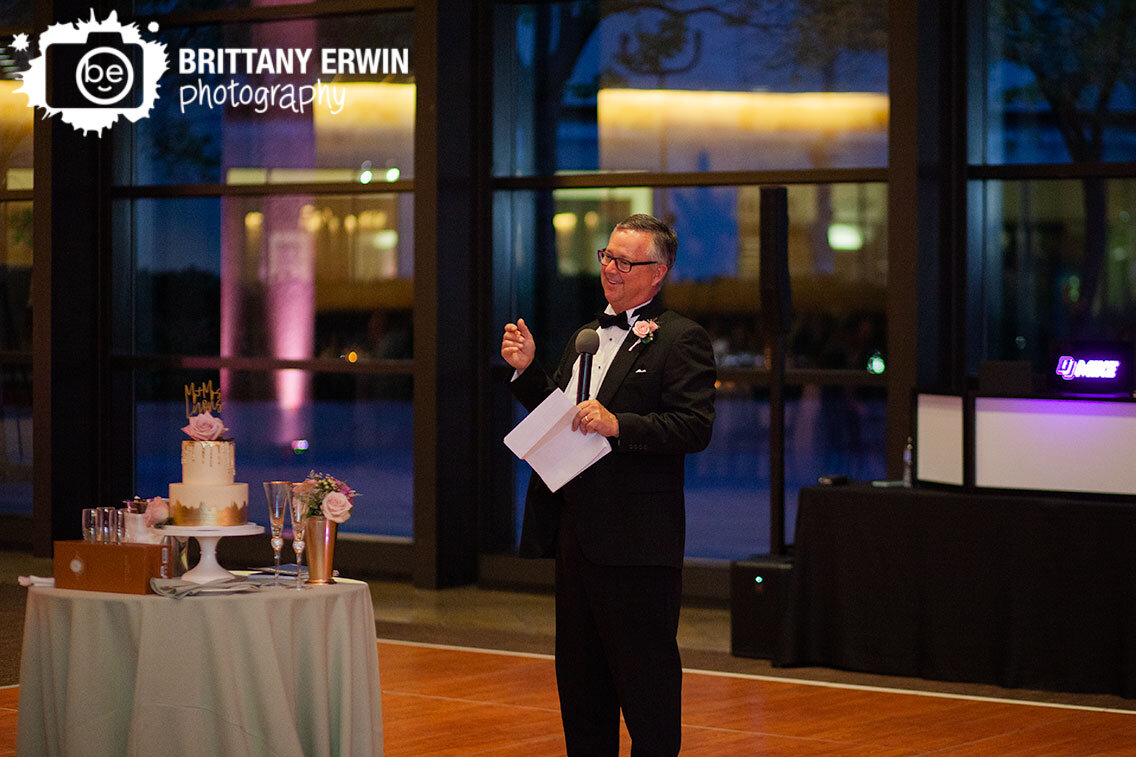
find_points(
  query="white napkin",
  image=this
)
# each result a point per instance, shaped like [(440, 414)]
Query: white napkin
[(177, 588), (36, 581)]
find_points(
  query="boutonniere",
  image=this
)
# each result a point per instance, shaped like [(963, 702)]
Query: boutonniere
[(645, 330)]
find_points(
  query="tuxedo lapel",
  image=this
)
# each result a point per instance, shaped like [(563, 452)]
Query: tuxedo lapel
[(629, 353), (624, 359)]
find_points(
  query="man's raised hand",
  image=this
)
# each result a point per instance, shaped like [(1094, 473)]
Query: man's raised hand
[(517, 345)]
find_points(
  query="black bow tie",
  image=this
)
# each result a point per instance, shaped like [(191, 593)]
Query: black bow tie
[(619, 320)]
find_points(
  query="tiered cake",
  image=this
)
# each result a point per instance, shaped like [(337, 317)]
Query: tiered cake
[(207, 495)]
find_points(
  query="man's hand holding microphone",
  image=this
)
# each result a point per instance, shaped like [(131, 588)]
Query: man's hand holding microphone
[(518, 350)]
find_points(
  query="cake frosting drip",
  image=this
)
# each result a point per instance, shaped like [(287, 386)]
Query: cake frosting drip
[(207, 496), (213, 463)]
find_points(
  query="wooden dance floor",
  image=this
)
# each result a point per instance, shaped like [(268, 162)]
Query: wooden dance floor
[(449, 701)]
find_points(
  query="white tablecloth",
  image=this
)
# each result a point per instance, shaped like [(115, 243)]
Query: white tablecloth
[(278, 672)]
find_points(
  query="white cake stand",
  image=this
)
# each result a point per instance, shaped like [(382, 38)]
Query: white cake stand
[(207, 568)]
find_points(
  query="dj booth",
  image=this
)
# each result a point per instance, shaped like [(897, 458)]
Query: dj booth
[(1015, 563), (1024, 591)]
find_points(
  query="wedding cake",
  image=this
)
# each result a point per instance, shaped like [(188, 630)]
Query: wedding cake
[(207, 495)]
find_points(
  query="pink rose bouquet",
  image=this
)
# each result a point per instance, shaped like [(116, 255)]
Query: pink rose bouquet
[(205, 427), (326, 496)]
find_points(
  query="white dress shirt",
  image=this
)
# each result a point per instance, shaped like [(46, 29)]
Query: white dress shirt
[(610, 340)]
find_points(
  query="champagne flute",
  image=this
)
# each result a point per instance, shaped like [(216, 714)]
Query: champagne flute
[(299, 508), (278, 494)]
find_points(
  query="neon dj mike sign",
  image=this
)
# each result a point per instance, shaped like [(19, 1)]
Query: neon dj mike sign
[(1070, 368)]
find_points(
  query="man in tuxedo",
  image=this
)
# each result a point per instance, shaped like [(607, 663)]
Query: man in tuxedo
[(618, 529)]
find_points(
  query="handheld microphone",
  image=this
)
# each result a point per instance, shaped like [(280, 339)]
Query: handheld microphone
[(587, 344)]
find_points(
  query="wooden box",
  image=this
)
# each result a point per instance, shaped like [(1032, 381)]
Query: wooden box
[(122, 568)]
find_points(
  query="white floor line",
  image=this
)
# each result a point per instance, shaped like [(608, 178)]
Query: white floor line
[(455, 648), (913, 692), (798, 681)]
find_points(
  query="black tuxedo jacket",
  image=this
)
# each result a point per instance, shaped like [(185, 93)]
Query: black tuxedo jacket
[(628, 508)]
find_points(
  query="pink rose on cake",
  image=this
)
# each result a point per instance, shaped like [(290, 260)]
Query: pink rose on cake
[(325, 496), (205, 428)]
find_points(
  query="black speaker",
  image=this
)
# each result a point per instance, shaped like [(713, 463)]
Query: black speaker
[(759, 599), (773, 282)]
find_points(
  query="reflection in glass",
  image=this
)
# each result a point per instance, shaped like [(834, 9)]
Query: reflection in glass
[(192, 138), (15, 276), (829, 430), (293, 277), (545, 266), (1057, 84), (147, 7), (355, 429), (16, 438), (16, 120), (682, 86), (545, 270), (1057, 261)]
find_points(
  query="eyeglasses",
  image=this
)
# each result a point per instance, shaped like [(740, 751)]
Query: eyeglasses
[(622, 264)]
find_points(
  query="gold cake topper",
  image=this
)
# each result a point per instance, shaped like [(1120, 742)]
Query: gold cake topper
[(202, 399)]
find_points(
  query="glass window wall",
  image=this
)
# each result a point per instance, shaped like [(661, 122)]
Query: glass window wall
[(1057, 262), (16, 120), (16, 437), (1052, 82), (16, 277), (15, 357), (1052, 245), (349, 428), (689, 86), (16, 225), (240, 129), (299, 303), (546, 272), (828, 429), (151, 7), (286, 276)]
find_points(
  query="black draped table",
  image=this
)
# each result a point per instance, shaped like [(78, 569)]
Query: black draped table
[(1019, 591)]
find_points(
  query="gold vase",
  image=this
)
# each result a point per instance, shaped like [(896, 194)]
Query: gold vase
[(320, 546)]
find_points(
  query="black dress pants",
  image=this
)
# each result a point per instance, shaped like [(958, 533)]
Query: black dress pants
[(616, 649)]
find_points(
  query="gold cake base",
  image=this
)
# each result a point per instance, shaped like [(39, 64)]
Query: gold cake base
[(235, 514)]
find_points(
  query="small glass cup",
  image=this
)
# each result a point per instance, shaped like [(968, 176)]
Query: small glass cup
[(121, 532), (107, 525), (90, 524)]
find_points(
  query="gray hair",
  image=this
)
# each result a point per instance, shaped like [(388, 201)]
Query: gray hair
[(664, 246)]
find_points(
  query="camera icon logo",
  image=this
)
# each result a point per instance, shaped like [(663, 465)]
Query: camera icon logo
[(105, 70), (92, 72)]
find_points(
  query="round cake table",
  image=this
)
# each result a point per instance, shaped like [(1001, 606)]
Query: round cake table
[(272, 672)]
